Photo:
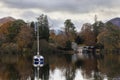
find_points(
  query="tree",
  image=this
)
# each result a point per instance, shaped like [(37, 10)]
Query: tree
[(79, 40), (43, 27), (68, 45), (24, 37), (87, 26), (69, 26), (70, 33), (88, 35), (4, 31), (70, 29), (110, 37), (98, 27), (52, 36), (32, 24), (14, 29), (10, 48), (61, 40)]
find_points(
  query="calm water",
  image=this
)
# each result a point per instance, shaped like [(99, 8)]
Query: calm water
[(62, 67), (81, 67)]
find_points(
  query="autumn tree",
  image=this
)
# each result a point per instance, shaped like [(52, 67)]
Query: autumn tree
[(14, 29), (87, 34), (52, 36), (4, 32), (61, 40), (9, 48), (110, 37), (25, 37), (14, 36), (4, 27), (87, 26)]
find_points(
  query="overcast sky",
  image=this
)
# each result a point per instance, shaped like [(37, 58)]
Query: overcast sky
[(79, 11)]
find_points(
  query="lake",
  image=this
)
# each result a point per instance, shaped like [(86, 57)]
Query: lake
[(58, 66), (75, 67)]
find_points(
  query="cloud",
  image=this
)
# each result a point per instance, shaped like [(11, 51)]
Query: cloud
[(29, 15), (73, 6), (79, 11), (55, 23)]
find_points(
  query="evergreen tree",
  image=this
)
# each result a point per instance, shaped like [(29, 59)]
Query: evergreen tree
[(69, 27), (70, 33), (43, 27), (98, 27), (68, 45), (32, 24)]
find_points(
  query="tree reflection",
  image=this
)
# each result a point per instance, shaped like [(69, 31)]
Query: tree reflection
[(110, 65), (14, 67), (95, 68), (44, 72), (89, 66), (70, 72)]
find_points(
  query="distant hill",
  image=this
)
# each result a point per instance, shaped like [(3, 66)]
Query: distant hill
[(6, 19), (60, 32), (57, 32), (115, 21)]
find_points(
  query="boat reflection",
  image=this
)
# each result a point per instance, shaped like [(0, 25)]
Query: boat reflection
[(63, 67)]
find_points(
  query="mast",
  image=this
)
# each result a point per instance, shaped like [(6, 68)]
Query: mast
[(37, 39), (95, 18)]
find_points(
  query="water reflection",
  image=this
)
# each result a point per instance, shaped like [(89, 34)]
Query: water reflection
[(57, 74), (62, 67), (71, 67)]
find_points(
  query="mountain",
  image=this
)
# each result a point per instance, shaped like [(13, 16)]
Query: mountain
[(115, 21), (60, 32), (57, 32), (6, 19)]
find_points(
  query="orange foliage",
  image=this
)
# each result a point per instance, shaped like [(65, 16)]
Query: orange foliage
[(24, 37), (52, 35), (88, 36), (4, 29), (23, 67), (61, 40)]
